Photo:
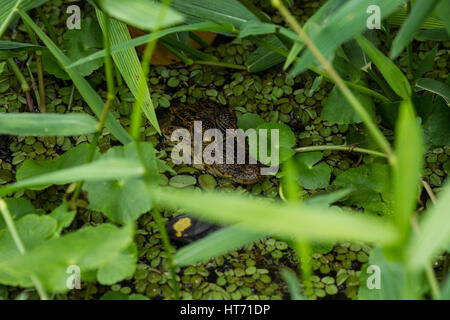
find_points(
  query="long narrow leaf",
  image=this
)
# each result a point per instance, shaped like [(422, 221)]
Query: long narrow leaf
[(419, 13), (48, 124), (434, 232), (8, 10), (217, 243), (434, 86), (282, 219), (101, 170), (128, 64), (407, 170), (393, 75), (89, 95)]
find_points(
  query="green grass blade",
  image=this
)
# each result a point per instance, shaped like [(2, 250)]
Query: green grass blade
[(435, 87), (419, 13), (407, 170), (127, 44), (89, 95), (142, 14), (443, 9), (18, 46), (434, 232), (129, 66), (293, 284), (347, 21), (8, 10), (281, 219), (215, 244), (101, 170), (400, 16), (47, 124), (230, 11), (393, 75)]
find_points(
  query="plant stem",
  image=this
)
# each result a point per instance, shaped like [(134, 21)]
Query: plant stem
[(136, 121), (357, 106), (221, 64), (341, 148), (23, 83), (429, 191), (303, 250), (19, 244), (40, 70)]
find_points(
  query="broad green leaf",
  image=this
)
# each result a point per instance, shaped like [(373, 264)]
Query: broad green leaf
[(249, 121), (143, 14), (434, 86), (283, 219), (77, 44), (392, 278), (443, 9), (124, 44), (90, 96), (337, 110), (32, 168), (426, 64), (7, 11), (63, 217), (129, 66), (393, 75), (435, 115), (107, 169), (371, 185), (122, 200), (434, 236), (19, 46), (119, 268), (215, 244), (284, 144), (408, 167), (345, 22), (419, 12), (18, 207), (32, 230), (47, 124), (312, 174), (89, 248)]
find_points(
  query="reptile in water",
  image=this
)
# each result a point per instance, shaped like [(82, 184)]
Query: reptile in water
[(213, 116)]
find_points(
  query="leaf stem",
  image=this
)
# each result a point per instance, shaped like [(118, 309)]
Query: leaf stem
[(40, 70), (23, 83), (341, 148), (19, 244)]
